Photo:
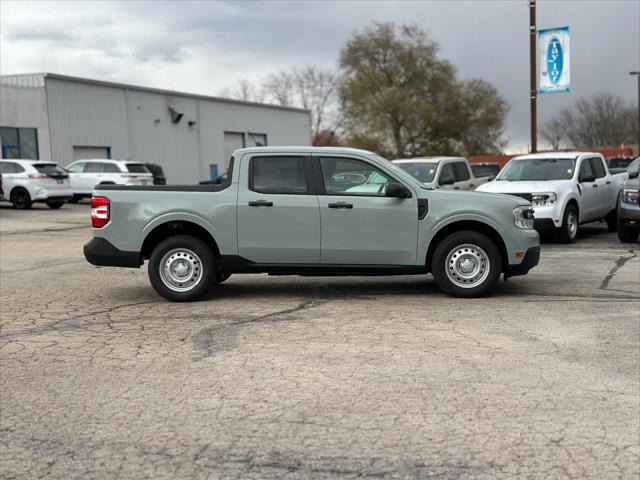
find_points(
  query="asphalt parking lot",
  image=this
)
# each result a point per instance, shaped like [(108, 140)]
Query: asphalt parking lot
[(290, 377)]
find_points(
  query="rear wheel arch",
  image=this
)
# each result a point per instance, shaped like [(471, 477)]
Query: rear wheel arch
[(177, 227), (472, 225)]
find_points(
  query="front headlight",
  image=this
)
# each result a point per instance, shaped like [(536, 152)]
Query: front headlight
[(630, 196), (543, 199), (523, 217)]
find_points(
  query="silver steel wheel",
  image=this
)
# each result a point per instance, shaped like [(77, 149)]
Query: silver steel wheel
[(180, 270), (467, 266), (572, 224)]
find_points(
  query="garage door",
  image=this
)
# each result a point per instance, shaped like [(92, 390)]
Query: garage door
[(82, 153)]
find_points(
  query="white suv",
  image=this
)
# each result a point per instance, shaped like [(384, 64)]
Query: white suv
[(86, 174), (28, 181)]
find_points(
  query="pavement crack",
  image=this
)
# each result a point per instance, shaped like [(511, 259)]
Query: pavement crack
[(618, 265)]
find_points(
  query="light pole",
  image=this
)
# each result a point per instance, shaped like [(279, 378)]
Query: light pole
[(637, 74), (533, 90)]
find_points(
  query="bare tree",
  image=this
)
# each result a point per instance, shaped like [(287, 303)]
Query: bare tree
[(246, 91), (603, 120), (553, 131), (279, 88)]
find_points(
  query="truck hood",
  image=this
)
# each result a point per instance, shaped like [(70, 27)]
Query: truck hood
[(502, 186), (474, 200)]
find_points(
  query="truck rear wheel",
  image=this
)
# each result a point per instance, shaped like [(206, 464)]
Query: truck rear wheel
[(182, 268), (466, 264)]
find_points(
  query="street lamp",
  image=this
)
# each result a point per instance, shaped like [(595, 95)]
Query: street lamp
[(637, 74)]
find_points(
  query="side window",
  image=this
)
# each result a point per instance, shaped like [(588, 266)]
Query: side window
[(18, 168), (285, 175), (76, 167), (447, 174), (110, 168), (347, 176), (598, 168), (462, 172), (92, 167), (586, 170), (7, 167)]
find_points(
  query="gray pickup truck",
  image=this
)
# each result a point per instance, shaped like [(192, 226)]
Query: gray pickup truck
[(311, 211)]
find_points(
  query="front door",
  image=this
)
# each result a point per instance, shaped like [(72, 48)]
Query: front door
[(278, 213), (590, 204), (360, 225)]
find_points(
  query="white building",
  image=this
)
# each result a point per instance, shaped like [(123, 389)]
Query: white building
[(54, 117)]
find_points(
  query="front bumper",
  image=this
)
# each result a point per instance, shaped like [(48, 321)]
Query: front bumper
[(530, 260), (99, 251), (629, 214)]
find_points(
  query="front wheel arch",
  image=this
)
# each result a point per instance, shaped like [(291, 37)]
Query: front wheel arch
[(467, 225)]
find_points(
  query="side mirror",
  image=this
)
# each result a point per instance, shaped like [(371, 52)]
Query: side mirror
[(491, 178), (587, 178), (447, 181), (633, 174), (397, 190)]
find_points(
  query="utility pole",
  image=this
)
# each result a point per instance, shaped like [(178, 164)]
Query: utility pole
[(532, 76), (637, 74)]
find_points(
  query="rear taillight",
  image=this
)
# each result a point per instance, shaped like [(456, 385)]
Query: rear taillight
[(99, 211)]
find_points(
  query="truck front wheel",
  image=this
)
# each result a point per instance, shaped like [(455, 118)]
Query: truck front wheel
[(466, 264), (569, 229), (627, 233), (182, 268)]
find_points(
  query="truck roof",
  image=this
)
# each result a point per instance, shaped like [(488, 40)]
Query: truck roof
[(427, 159), (572, 154), (304, 149)]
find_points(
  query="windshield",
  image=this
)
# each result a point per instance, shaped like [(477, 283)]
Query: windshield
[(538, 169), (137, 168), (425, 172)]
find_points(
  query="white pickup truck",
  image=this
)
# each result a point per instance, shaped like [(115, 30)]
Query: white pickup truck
[(565, 189), (449, 173)]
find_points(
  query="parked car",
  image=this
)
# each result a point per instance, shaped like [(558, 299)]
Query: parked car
[(482, 170), (157, 172), (286, 210), (442, 172), (28, 181), (629, 205), (565, 188), (1, 190), (86, 174), (619, 162)]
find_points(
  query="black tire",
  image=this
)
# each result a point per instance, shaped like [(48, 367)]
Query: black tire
[(612, 220), (222, 277), (627, 234), (442, 267), (75, 199), (21, 199), (204, 264), (55, 205), (567, 232)]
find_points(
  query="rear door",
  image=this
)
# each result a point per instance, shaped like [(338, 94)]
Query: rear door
[(607, 194), (462, 176), (278, 213), (590, 200), (359, 224)]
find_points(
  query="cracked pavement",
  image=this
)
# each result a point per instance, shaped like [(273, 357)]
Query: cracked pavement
[(292, 377)]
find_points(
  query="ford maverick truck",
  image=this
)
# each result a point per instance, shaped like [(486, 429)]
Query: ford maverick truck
[(311, 211)]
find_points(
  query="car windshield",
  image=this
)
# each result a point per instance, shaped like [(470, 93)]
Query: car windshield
[(485, 170), (50, 169), (532, 169), (423, 171), (137, 168)]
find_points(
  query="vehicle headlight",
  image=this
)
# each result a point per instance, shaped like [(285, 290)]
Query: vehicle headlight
[(630, 196), (523, 217), (543, 199)]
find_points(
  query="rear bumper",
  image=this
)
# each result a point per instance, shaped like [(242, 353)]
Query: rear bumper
[(530, 260), (99, 251)]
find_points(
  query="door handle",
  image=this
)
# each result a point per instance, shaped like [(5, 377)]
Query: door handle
[(456, 188), (472, 185), (261, 203), (594, 185), (608, 182), (340, 205)]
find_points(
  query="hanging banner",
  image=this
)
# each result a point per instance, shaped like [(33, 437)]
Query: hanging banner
[(554, 53)]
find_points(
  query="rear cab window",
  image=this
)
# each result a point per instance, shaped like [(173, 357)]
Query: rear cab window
[(278, 175), (462, 172)]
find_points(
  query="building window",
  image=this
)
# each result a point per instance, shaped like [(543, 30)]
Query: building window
[(19, 143), (257, 139)]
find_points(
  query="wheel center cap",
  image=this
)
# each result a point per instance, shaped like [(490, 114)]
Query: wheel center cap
[(181, 269), (467, 265)]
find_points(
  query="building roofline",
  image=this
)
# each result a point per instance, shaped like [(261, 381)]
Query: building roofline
[(128, 86)]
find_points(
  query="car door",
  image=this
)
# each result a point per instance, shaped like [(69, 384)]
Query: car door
[(75, 175), (360, 225), (10, 177), (278, 213), (607, 197), (462, 176), (91, 176), (590, 200)]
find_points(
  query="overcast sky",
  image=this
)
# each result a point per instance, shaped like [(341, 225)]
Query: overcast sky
[(203, 47)]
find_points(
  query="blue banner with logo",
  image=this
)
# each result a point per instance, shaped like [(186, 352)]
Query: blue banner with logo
[(554, 53)]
